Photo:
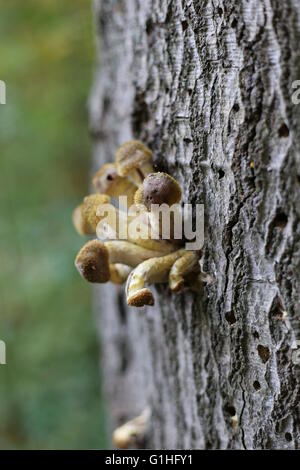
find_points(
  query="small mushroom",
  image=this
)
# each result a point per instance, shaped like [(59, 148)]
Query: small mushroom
[(158, 188), (133, 432), (89, 209), (92, 262), (154, 270), (80, 223), (134, 160), (95, 258), (108, 181)]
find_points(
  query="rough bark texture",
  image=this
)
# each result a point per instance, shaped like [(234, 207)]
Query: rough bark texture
[(208, 86)]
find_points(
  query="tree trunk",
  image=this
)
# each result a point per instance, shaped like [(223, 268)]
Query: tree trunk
[(207, 85)]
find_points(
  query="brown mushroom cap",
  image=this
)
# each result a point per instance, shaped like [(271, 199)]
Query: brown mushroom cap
[(140, 298), (132, 155), (90, 206), (80, 224), (107, 179), (158, 188), (92, 262)]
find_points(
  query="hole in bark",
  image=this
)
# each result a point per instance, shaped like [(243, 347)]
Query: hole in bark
[(230, 317), (106, 104), (236, 107), (283, 131), (149, 26), (221, 173), (264, 353), (277, 308), (288, 436), (122, 309), (256, 385), (255, 334), (220, 11), (280, 220), (234, 23), (184, 25), (230, 409)]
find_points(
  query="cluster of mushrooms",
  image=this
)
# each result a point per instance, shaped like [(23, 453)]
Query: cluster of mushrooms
[(137, 260)]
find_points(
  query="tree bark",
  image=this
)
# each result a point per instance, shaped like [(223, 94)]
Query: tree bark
[(207, 85)]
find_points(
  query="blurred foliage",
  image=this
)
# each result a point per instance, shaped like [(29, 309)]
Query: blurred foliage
[(49, 389)]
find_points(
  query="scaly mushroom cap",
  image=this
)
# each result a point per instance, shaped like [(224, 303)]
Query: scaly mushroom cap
[(158, 188), (131, 156), (80, 224), (92, 262), (89, 209), (106, 179)]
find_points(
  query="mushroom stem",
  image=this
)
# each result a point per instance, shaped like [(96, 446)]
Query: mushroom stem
[(188, 263), (133, 432), (128, 253), (119, 273), (154, 270)]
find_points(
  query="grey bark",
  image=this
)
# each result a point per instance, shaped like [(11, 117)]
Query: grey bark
[(208, 86)]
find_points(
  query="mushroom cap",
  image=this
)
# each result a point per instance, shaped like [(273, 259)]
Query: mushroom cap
[(90, 206), (80, 224), (132, 155), (158, 188), (92, 262), (140, 298), (106, 179), (122, 437)]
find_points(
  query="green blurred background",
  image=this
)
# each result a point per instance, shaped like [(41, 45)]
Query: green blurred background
[(50, 387)]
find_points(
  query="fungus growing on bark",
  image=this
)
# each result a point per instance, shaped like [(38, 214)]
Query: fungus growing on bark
[(188, 263), (154, 270), (143, 258)]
